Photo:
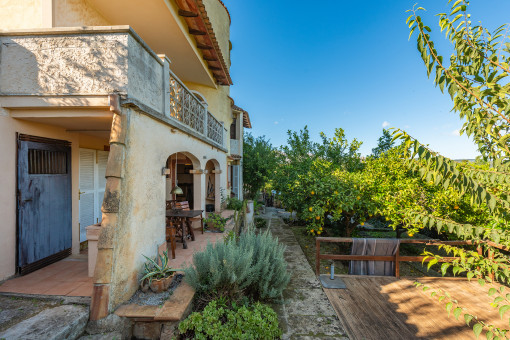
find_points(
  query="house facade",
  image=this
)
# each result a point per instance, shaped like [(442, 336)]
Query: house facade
[(105, 106)]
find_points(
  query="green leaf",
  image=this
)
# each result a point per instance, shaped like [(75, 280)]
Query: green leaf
[(468, 318), (492, 291), (449, 307), (431, 263), (456, 312), (444, 268), (503, 310), (477, 329)]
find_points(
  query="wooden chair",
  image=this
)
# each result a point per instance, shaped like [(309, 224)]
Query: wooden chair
[(170, 204), (170, 236), (184, 205)]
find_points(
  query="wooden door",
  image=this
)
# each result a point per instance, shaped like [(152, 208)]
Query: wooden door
[(44, 202)]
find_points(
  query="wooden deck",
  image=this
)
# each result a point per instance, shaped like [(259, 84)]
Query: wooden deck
[(390, 308)]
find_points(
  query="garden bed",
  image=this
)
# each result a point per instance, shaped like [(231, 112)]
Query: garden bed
[(150, 298), (175, 308)]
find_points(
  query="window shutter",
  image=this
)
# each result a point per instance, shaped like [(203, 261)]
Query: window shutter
[(235, 180), (86, 187), (102, 161)]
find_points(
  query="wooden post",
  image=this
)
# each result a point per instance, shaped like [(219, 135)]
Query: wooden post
[(491, 257), (397, 262), (317, 255), (479, 249)]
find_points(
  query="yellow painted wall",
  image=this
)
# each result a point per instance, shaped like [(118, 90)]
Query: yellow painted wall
[(221, 25), (20, 14), (25, 14), (72, 13)]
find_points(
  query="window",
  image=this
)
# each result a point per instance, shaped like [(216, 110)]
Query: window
[(233, 134), (45, 162)]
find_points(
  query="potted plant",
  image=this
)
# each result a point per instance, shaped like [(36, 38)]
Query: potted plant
[(157, 277), (214, 222)]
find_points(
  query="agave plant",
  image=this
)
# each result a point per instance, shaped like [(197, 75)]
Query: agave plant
[(152, 270)]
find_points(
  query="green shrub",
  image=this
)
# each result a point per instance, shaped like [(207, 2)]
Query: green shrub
[(215, 221), (217, 321), (234, 204), (253, 266), (260, 222)]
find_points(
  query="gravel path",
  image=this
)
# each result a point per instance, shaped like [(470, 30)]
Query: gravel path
[(305, 311)]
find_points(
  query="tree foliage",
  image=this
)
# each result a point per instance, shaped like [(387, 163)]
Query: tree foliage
[(384, 143), (323, 180), (259, 163), (476, 78)]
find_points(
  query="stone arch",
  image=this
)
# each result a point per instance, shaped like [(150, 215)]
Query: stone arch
[(192, 188), (213, 184)]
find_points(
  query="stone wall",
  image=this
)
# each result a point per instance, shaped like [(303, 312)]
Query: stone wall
[(63, 64)]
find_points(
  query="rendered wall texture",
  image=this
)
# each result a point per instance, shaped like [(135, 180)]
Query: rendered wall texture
[(18, 14), (74, 13), (64, 64), (138, 226)]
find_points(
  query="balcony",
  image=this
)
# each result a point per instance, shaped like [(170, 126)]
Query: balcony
[(235, 147), (81, 66), (188, 110)]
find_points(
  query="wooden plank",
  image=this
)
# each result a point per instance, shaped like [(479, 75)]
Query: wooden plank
[(357, 257), (388, 320), (351, 309), (397, 262), (386, 308), (187, 14), (193, 31)]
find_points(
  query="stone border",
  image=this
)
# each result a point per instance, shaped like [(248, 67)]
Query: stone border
[(176, 308)]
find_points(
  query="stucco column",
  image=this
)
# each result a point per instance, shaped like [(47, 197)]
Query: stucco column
[(101, 304), (198, 198), (217, 190)]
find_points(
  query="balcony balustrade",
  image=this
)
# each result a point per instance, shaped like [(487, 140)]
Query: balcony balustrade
[(189, 110), (235, 147)]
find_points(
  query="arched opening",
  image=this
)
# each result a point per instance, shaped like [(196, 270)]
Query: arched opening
[(212, 185), (181, 183)]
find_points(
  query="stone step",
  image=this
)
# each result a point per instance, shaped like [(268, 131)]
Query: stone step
[(62, 322)]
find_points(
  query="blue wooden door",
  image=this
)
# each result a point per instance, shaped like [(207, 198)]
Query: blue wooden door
[(44, 202)]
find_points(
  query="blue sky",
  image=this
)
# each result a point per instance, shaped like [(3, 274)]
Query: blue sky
[(345, 64)]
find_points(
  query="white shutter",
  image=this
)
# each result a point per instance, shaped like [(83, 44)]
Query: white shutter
[(92, 186), (87, 192), (235, 180), (102, 161)]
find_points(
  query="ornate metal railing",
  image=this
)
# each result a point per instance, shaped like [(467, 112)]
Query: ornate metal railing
[(190, 111), (214, 129)]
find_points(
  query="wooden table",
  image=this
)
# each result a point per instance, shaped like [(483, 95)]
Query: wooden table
[(182, 219)]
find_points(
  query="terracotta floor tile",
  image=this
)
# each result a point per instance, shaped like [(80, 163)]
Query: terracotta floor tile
[(62, 288), (85, 289)]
